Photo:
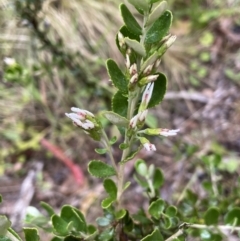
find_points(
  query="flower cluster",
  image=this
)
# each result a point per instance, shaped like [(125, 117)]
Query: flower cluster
[(81, 118)]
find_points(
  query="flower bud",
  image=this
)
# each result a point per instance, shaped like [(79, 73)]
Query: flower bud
[(159, 131), (127, 61), (146, 144), (134, 79), (148, 70), (121, 39), (148, 79), (133, 69), (170, 41), (147, 94)]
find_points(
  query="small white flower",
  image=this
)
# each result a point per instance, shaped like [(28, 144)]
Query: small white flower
[(171, 40), (149, 147), (133, 121), (9, 61), (128, 61), (147, 94), (133, 69), (151, 78), (167, 132), (82, 112), (87, 125), (75, 118), (148, 69), (79, 118), (134, 78), (142, 115)]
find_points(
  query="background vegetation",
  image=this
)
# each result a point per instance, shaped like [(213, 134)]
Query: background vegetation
[(58, 51)]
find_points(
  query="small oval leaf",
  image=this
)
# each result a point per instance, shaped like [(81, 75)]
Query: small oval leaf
[(157, 12), (136, 46), (160, 86), (159, 29), (100, 151), (156, 208), (141, 167), (142, 4), (111, 188), (31, 234), (120, 104), (116, 119), (233, 217), (158, 178), (100, 169), (116, 75), (129, 20)]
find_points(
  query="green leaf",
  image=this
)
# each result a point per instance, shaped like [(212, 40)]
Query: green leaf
[(136, 46), (159, 29), (13, 234), (160, 86), (154, 236), (100, 169), (126, 33), (211, 216), (100, 151), (167, 222), (123, 146), (142, 4), (4, 225), (69, 214), (31, 234), (117, 77), (171, 211), (0, 198), (113, 140), (156, 208), (120, 104), (116, 119), (158, 178), (106, 235), (59, 225), (120, 214), (233, 217), (157, 12), (48, 208), (129, 20), (103, 221), (111, 188), (107, 202), (141, 167), (141, 182)]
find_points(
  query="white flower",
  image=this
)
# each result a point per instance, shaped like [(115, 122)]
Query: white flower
[(142, 115), (149, 147), (133, 121), (75, 118), (80, 118), (147, 94), (167, 132), (82, 112), (134, 78), (9, 61), (87, 125)]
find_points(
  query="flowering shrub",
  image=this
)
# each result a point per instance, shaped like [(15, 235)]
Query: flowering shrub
[(139, 88)]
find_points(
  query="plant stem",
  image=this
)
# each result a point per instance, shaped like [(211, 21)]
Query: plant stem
[(201, 226), (105, 142), (132, 103)]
